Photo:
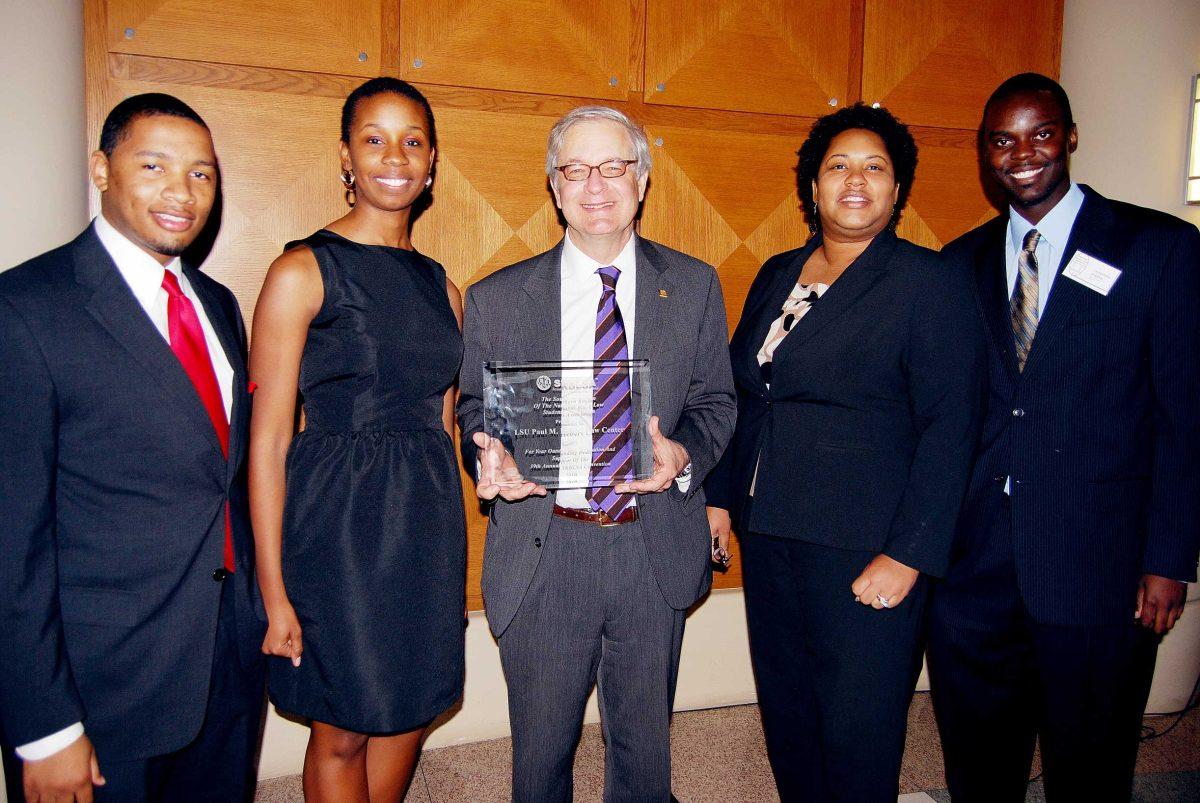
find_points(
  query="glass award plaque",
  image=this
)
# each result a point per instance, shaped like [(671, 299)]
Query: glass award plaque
[(548, 417)]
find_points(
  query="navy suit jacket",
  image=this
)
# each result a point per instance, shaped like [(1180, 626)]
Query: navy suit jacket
[(1101, 431), (864, 438), (114, 489)]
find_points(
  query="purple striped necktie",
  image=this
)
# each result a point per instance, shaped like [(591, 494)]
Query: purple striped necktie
[(612, 446)]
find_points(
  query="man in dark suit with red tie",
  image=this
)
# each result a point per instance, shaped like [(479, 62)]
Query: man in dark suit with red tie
[(1082, 517), (129, 624)]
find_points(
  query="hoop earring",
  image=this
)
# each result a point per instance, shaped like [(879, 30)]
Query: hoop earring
[(348, 182), (428, 182)]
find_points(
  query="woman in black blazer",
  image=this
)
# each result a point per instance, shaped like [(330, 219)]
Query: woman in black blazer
[(859, 366)]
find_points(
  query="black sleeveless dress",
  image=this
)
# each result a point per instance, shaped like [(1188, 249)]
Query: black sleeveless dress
[(374, 534)]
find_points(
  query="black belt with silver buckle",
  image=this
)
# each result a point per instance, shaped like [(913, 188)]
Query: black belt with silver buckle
[(627, 516)]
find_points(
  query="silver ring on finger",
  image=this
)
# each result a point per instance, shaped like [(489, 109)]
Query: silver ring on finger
[(884, 601)]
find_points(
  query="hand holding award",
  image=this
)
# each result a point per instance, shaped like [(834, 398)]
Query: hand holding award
[(498, 472), (566, 424)]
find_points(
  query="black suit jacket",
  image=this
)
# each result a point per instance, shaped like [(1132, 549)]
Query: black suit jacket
[(114, 489), (1101, 431), (864, 439)]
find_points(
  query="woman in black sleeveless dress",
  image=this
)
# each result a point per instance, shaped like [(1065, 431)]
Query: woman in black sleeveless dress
[(359, 519)]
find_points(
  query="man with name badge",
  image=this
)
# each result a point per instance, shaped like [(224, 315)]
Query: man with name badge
[(1082, 518), (591, 585), (130, 624)]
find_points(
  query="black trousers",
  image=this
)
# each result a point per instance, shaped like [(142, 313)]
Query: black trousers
[(1001, 679), (218, 766), (834, 677)]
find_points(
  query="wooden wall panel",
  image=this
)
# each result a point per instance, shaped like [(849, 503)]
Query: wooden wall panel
[(947, 196), (729, 201), (270, 193), (485, 213), (557, 47), (773, 56), (935, 62), (330, 36), (734, 205), (723, 183), (490, 197)]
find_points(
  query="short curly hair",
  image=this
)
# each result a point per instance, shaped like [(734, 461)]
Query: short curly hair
[(901, 149)]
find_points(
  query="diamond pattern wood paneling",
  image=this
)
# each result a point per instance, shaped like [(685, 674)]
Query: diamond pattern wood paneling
[(491, 202), (730, 198), (556, 47), (947, 198), (935, 62), (279, 168), (491, 206), (723, 183), (726, 197), (774, 56), (317, 35)]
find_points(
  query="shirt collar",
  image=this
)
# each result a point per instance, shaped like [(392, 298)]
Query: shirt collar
[(142, 272), (1055, 227), (579, 265)]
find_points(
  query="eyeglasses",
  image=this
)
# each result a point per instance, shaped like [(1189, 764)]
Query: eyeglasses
[(581, 172)]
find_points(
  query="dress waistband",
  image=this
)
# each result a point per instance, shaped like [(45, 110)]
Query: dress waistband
[(372, 430)]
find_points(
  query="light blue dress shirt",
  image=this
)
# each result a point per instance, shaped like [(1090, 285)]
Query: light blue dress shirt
[(1055, 229)]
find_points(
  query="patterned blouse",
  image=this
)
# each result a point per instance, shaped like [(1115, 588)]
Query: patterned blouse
[(798, 303)]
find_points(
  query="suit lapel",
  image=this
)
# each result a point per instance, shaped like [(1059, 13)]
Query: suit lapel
[(539, 310), (114, 307), (1092, 228), (654, 293), (767, 310), (227, 335), (991, 281), (861, 275)]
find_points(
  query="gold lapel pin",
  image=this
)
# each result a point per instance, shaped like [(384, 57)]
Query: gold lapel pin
[(662, 293)]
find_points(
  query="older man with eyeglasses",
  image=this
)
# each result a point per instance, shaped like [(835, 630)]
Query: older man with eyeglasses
[(590, 585)]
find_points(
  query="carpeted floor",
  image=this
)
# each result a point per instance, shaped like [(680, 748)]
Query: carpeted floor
[(718, 755)]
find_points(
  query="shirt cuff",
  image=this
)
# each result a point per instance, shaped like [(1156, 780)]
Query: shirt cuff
[(49, 745), (684, 480)]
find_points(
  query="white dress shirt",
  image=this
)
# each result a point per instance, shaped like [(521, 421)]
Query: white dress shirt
[(578, 300), (144, 275)]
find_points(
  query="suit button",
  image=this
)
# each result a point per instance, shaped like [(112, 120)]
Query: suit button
[(220, 574), (1018, 412), (537, 542)]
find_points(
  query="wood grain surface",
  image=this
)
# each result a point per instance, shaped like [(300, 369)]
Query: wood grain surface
[(743, 81)]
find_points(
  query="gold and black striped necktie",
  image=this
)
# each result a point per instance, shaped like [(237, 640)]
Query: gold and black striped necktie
[(1023, 306)]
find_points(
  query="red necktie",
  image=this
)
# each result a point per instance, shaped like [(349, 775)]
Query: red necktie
[(187, 341)]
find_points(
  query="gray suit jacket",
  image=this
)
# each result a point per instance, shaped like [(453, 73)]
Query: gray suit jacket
[(514, 314)]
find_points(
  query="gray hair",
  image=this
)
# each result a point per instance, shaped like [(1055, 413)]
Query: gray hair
[(641, 145)]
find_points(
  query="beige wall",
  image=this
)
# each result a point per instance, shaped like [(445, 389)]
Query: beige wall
[(43, 156), (1128, 68)]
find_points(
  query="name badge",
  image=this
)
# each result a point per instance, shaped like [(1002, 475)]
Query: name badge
[(1092, 273)]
